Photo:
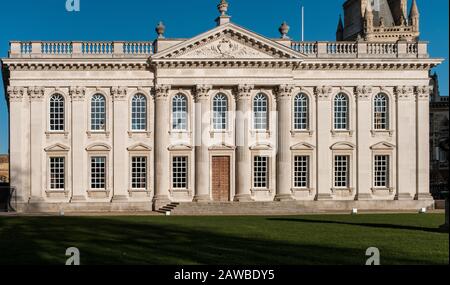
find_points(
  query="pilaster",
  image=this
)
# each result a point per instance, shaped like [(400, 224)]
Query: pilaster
[(406, 142), (162, 118), (243, 155), (120, 132), (202, 177), (324, 160), (364, 167), (284, 158)]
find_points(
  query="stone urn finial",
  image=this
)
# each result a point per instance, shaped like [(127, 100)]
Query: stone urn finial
[(223, 7), (284, 30), (160, 30)]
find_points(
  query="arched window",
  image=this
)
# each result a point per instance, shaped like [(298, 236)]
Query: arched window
[(341, 112), (220, 112), (380, 112), (260, 112), (57, 113), (301, 112), (98, 113), (139, 113), (179, 112)]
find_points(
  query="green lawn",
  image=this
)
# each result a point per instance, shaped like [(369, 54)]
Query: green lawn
[(324, 239)]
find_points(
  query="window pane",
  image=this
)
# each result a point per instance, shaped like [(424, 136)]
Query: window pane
[(301, 112), (341, 171), (98, 113), (220, 112), (261, 172), (139, 113), (341, 112), (57, 173), (380, 113), (139, 172), (180, 172), (301, 171), (98, 172), (260, 112), (179, 112), (381, 171), (57, 113)]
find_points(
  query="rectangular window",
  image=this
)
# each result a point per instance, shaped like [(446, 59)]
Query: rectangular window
[(139, 172), (301, 171), (57, 173), (381, 171), (261, 172), (341, 171), (180, 172), (98, 172)]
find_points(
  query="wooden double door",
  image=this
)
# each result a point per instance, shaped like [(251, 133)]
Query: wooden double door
[(220, 178)]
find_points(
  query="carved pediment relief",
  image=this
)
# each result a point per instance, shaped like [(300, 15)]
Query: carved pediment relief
[(57, 148)]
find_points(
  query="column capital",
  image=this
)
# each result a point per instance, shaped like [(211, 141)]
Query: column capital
[(15, 94), (284, 91), (323, 92), (423, 92), (201, 92), (363, 92), (403, 92), (77, 93), (36, 93), (119, 93), (161, 91), (243, 91)]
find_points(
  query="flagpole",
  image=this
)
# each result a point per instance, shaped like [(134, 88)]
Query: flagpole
[(303, 23)]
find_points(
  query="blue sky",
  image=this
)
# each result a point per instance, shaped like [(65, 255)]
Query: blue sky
[(136, 20)]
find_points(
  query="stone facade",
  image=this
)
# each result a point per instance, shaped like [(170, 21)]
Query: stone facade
[(4, 169), (111, 126)]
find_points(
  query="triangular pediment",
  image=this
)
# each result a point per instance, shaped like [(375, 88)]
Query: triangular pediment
[(139, 147), (228, 41), (382, 146), (57, 148)]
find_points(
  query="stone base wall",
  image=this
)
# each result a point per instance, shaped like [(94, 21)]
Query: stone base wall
[(232, 208)]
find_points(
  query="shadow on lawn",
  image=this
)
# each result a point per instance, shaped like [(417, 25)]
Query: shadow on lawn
[(144, 241), (371, 225)]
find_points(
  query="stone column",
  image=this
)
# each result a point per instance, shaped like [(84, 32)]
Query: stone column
[(18, 143), (79, 164), (243, 155), (364, 125), (120, 155), (324, 160), (202, 193), (406, 143), (38, 128), (423, 142), (162, 163), (284, 158)]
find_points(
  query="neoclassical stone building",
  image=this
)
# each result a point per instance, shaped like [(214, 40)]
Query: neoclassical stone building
[(226, 116)]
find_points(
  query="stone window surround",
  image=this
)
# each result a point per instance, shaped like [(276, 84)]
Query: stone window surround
[(337, 150), (150, 111), (190, 106), (390, 190), (67, 114), (309, 131), (271, 171), (350, 126), (271, 107), (57, 193), (140, 153), (190, 170), (108, 111), (230, 117), (310, 155), (391, 114), (100, 193)]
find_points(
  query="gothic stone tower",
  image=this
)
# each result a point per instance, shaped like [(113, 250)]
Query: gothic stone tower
[(379, 20)]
